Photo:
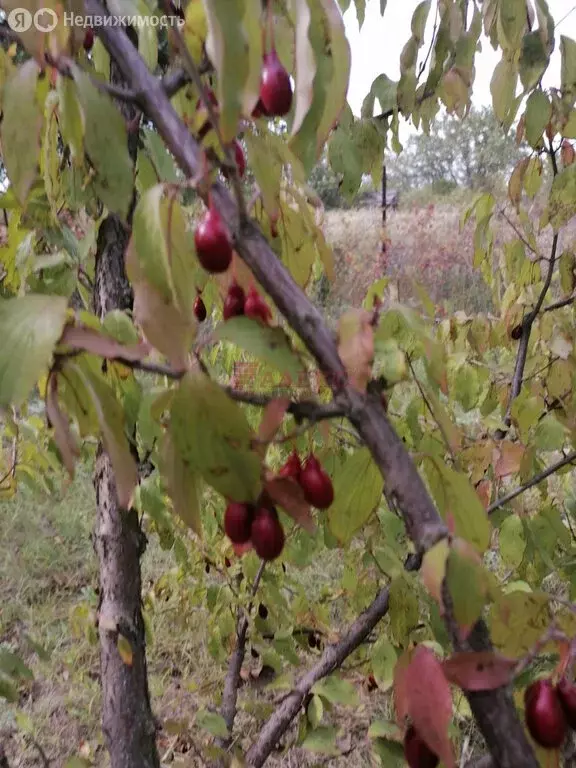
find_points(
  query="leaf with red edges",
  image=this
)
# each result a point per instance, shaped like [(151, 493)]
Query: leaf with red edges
[(90, 340), (429, 702), (286, 492), (481, 671), (63, 436)]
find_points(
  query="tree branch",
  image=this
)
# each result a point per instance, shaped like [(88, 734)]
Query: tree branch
[(559, 304), (230, 695), (507, 743), (569, 459), (331, 659)]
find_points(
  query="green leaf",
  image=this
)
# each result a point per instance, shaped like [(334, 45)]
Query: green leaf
[(533, 59), (549, 435), (211, 722), (315, 711), (165, 249), (338, 51), (518, 620), (21, 128), (336, 691), (322, 740), (457, 500), (271, 345), (568, 66), (30, 327), (117, 324), (419, 19), (160, 158), (383, 660), (357, 492), (106, 144), (511, 23), (110, 417), (533, 176), (562, 200), (8, 690), (183, 485), (390, 753), (227, 46), (467, 387), (538, 114), (512, 541), (466, 582), (503, 88), (383, 729), (12, 665), (403, 610), (213, 437)]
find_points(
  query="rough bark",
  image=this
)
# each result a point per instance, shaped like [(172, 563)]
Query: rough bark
[(127, 720)]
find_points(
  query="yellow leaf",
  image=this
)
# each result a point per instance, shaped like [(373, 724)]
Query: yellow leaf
[(356, 346), (125, 650)]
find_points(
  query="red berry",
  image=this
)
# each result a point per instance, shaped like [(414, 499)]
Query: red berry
[(256, 308), (275, 86), (544, 715), (213, 246), (417, 753), (240, 158), (88, 40), (567, 695), (200, 309), (316, 484), (234, 301), (292, 468), (238, 521), (267, 534), (259, 110)]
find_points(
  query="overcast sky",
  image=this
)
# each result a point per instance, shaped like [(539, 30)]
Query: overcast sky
[(377, 47)]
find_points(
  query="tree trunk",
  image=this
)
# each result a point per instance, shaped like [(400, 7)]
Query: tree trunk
[(127, 720)]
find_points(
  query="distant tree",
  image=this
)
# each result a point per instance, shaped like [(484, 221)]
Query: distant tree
[(473, 153), (325, 182)]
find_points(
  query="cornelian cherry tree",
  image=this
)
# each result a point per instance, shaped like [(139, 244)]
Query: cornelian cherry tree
[(162, 239)]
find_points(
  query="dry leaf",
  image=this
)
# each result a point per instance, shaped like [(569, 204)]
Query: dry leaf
[(356, 346)]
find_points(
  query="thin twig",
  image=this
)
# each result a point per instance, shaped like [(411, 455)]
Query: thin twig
[(569, 459), (559, 304), (194, 72), (517, 231), (429, 407), (331, 659), (232, 682), (527, 323)]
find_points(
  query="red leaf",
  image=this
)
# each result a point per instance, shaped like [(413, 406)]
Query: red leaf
[(90, 340), (286, 492), (429, 702), (482, 671), (63, 437), (400, 688), (272, 418)]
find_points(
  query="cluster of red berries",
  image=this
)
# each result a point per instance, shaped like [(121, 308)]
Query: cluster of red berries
[(256, 523), (549, 711), (312, 478), (237, 302)]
